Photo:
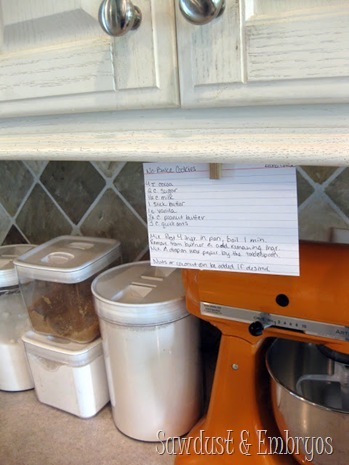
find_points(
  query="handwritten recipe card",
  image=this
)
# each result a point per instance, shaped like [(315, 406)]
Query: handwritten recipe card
[(246, 221)]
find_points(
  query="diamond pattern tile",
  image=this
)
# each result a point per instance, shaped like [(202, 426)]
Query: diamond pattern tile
[(73, 185), (5, 223), (109, 168), (113, 219), (14, 237), (319, 174), (304, 189), (317, 219), (130, 183), (145, 256), (15, 182), (37, 166), (69, 190), (338, 191), (40, 219)]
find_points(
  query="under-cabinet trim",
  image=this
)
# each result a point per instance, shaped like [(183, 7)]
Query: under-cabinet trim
[(299, 135)]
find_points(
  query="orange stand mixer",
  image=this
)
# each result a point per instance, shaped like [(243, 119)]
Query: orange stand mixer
[(251, 310)]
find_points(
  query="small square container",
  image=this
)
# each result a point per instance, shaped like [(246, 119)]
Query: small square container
[(68, 375), (15, 373), (55, 281)]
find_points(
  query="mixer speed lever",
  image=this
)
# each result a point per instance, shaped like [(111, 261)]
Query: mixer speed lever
[(257, 327)]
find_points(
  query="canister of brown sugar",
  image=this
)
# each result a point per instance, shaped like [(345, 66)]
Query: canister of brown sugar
[(55, 282)]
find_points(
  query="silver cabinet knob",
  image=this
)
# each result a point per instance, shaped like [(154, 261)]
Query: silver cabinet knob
[(201, 11), (119, 16)]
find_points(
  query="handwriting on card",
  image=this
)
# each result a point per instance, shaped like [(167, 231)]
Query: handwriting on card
[(247, 221)]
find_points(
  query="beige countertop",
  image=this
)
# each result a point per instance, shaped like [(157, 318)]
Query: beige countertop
[(32, 433)]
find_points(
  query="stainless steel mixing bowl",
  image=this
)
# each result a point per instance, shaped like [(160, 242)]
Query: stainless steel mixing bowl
[(308, 402)]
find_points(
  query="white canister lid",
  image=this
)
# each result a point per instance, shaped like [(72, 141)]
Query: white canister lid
[(68, 259), (61, 350), (139, 294), (8, 253)]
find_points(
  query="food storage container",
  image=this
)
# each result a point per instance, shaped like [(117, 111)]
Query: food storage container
[(55, 281), (151, 349), (14, 369), (68, 375)]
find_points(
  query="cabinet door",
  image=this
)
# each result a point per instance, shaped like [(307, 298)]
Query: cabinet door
[(55, 58), (266, 52)]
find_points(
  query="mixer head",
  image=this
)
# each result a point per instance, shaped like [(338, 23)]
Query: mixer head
[(312, 307)]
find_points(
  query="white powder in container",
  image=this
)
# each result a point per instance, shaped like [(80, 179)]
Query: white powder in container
[(151, 350), (15, 374), (154, 377)]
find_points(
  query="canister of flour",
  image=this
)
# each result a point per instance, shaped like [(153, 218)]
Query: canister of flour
[(15, 373), (151, 350)]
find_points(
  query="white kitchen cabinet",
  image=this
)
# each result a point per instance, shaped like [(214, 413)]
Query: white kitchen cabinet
[(55, 58), (266, 52)]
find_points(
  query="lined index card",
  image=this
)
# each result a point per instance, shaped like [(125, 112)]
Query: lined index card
[(246, 221)]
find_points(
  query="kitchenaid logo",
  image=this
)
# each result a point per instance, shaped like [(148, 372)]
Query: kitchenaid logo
[(308, 447)]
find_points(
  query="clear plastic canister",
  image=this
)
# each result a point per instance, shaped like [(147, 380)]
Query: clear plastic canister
[(151, 350), (55, 281), (15, 374)]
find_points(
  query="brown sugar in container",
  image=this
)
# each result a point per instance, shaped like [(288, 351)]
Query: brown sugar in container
[(55, 281)]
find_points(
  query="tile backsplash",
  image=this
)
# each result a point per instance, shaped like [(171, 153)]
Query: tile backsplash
[(40, 200)]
